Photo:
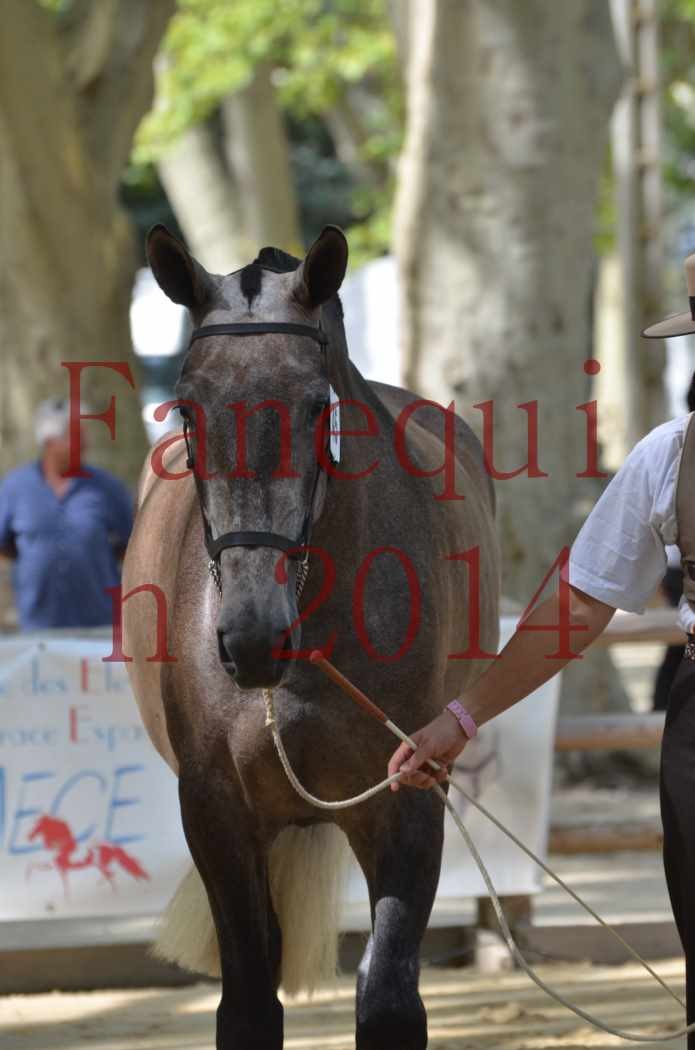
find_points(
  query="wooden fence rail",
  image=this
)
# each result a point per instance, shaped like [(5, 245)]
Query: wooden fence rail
[(610, 732), (617, 732)]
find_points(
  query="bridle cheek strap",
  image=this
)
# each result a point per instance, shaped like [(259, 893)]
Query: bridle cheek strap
[(296, 549)]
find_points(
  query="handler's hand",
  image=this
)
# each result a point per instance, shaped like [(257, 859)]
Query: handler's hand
[(442, 739)]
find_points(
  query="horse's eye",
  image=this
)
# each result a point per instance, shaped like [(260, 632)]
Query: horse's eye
[(316, 409)]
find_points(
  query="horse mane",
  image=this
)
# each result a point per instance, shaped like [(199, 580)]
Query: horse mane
[(276, 260)]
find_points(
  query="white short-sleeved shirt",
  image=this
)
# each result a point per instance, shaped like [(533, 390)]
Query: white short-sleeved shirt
[(619, 555)]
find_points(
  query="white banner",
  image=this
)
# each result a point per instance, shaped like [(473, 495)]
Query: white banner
[(89, 812)]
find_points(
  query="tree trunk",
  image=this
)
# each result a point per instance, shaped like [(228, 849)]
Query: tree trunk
[(71, 97), (508, 111), (206, 201), (234, 197), (508, 116), (348, 122), (637, 170), (348, 134), (257, 154)]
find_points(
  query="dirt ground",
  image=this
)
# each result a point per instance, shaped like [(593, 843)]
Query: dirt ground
[(466, 1010)]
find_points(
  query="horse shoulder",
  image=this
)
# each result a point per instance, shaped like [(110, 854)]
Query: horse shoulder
[(172, 457), (164, 508)]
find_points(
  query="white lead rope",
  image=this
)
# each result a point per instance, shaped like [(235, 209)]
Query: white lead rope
[(504, 926)]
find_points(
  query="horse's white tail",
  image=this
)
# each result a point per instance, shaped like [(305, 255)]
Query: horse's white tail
[(186, 933), (307, 867)]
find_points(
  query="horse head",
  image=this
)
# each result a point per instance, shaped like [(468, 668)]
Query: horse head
[(41, 826), (254, 393), (52, 830)]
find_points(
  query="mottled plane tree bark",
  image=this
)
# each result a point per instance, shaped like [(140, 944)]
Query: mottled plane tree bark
[(73, 89), (508, 116), (230, 181)]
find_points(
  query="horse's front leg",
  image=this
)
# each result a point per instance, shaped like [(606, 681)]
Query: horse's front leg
[(400, 854), (224, 842)]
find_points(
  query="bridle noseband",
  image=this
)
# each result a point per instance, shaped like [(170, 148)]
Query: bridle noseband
[(294, 548)]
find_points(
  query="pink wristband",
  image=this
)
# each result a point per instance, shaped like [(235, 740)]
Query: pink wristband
[(463, 718)]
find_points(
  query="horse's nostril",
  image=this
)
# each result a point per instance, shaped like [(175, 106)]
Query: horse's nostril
[(225, 659), (253, 655), (225, 656)]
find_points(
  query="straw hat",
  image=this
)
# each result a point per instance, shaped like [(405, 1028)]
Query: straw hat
[(678, 324)]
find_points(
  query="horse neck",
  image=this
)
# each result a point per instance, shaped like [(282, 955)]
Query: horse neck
[(352, 505)]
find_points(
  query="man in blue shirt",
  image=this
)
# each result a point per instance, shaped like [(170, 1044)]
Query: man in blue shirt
[(66, 535)]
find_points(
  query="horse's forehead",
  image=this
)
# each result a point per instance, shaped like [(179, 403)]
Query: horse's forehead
[(265, 362), (274, 301), (259, 368)]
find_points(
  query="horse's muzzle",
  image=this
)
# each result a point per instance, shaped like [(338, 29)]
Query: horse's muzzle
[(254, 661)]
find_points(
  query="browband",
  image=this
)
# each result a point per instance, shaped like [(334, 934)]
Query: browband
[(260, 328)]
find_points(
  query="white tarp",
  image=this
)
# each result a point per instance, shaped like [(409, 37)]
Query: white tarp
[(89, 812), (89, 818), (370, 303)]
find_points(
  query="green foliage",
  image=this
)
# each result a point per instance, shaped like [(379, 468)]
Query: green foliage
[(315, 49), (328, 192), (319, 51), (57, 7), (682, 9), (678, 76), (372, 237), (604, 233), (677, 61)]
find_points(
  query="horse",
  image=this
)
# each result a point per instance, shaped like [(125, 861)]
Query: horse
[(221, 604), (58, 837)]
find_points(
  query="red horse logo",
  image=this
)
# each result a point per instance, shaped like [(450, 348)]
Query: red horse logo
[(58, 838)]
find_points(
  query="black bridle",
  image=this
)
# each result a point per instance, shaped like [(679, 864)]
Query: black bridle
[(293, 548)]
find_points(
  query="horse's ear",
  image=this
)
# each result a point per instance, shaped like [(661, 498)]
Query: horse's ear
[(177, 273), (321, 274)]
